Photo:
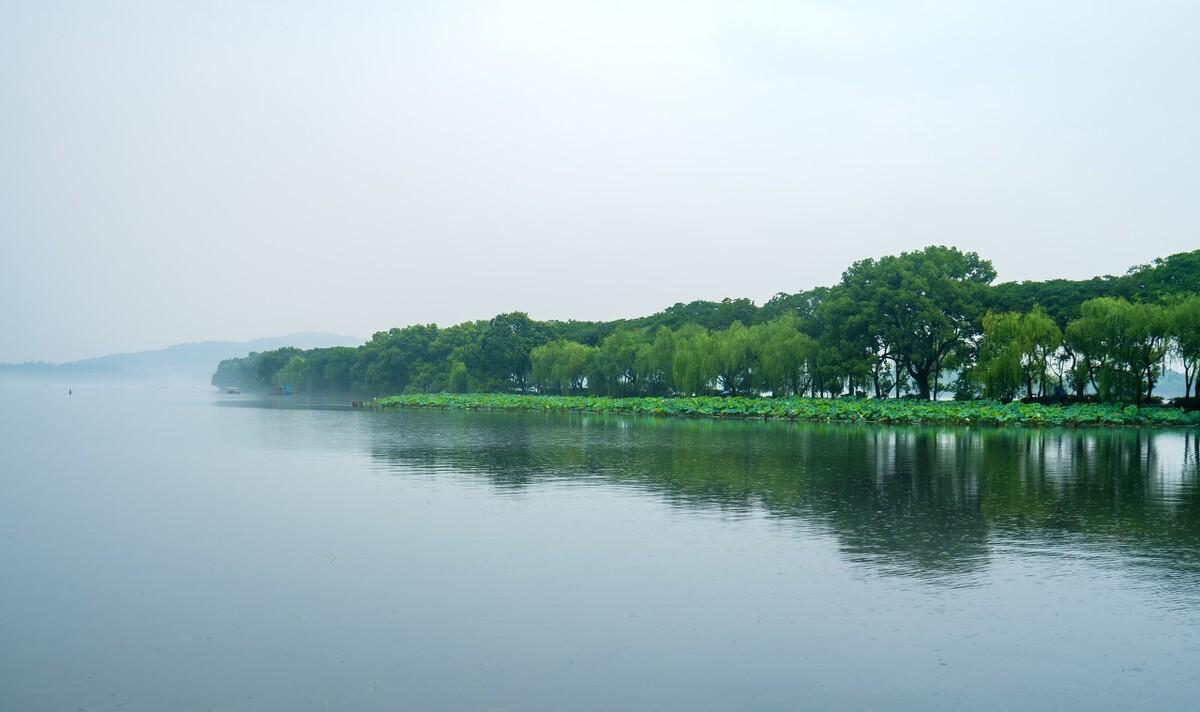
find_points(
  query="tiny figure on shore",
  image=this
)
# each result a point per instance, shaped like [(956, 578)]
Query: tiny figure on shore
[(68, 391)]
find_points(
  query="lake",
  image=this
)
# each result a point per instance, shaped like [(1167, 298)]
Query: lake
[(174, 549)]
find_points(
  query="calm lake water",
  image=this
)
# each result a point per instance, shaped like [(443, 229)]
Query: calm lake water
[(181, 550)]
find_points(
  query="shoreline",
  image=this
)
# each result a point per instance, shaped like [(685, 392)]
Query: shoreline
[(844, 410)]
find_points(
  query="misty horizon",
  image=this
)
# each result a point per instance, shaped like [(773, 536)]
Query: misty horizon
[(174, 174), (342, 336)]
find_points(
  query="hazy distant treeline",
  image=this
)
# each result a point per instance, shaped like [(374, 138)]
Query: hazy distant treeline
[(919, 323)]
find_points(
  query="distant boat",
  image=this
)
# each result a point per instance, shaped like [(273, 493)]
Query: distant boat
[(233, 390)]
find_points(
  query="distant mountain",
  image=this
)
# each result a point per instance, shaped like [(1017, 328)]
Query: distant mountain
[(191, 362), (1170, 385)]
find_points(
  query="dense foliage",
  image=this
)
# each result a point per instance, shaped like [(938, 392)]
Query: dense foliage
[(866, 410), (921, 324)]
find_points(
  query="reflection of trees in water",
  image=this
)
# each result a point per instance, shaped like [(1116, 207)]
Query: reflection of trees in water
[(919, 500)]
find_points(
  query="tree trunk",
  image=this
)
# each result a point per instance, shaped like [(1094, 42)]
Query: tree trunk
[(921, 376)]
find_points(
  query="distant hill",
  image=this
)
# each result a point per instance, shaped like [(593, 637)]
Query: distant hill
[(1170, 384), (190, 362)]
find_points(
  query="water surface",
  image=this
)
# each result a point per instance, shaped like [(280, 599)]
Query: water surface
[(175, 549)]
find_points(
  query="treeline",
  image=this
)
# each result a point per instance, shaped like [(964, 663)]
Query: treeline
[(917, 324)]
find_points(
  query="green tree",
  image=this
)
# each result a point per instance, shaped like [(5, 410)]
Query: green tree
[(561, 366), (616, 363), (1015, 351), (920, 306), (694, 366), (459, 378), (900, 324), (292, 374), (654, 361), (270, 362), (850, 351), (782, 353), (1184, 328), (1122, 345), (504, 350), (734, 358)]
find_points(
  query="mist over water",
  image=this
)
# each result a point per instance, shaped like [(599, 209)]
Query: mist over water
[(177, 549)]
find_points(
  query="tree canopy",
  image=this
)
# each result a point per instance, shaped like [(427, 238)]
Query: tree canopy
[(919, 324)]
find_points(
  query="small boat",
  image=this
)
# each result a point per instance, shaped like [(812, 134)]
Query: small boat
[(233, 390)]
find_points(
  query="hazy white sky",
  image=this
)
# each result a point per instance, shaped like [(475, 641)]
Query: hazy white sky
[(183, 171)]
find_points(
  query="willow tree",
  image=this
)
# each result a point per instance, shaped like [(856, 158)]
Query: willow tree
[(782, 354), (655, 360), (694, 365), (1123, 345), (1014, 352), (616, 363), (561, 365), (734, 358), (1184, 329)]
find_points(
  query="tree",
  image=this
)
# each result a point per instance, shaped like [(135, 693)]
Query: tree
[(920, 306), (782, 352), (694, 366), (901, 324), (654, 361), (1145, 336), (1014, 352), (734, 357), (392, 359), (292, 374), (561, 365), (1177, 274), (270, 362), (504, 348), (617, 362), (1122, 345), (851, 351), (459, 378), (1184, 328)]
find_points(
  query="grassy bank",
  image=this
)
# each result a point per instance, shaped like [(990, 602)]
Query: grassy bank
[(816, 409)]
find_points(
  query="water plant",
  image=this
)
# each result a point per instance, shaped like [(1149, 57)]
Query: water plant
[(870, 410)]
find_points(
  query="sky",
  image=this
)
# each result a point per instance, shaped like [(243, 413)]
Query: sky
[(176, 172)]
